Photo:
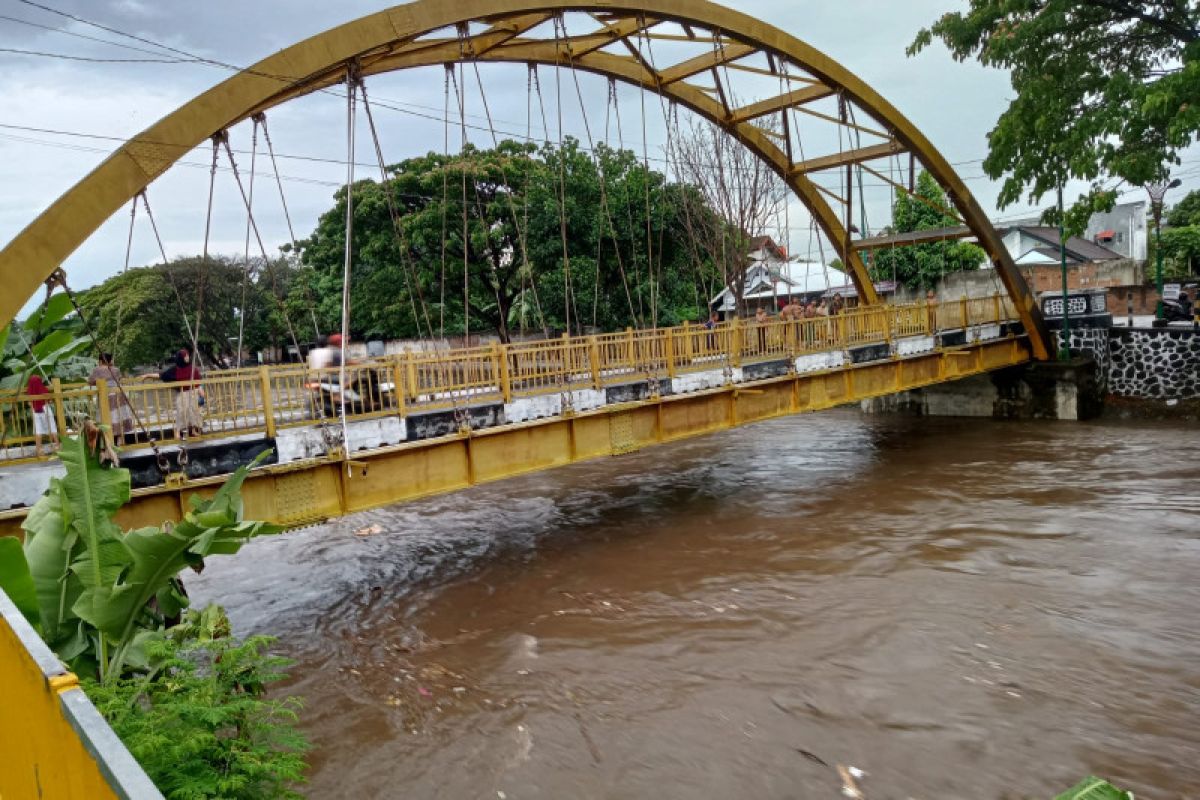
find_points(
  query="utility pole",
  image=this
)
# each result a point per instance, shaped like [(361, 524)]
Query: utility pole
[(1064, 345)]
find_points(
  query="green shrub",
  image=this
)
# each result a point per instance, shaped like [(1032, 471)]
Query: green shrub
[(199, 722)]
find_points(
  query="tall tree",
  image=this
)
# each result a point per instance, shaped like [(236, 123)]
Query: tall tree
[(1107, 91), (144, 314), (547, 237), (921, 266), (738, 198)]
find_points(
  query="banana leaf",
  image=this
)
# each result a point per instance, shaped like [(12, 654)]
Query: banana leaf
[(53, 310), (1093, 788), (15, 580), (213, 526)]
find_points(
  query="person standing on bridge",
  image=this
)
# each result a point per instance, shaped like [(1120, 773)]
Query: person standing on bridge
[(189, 395), (118, 403), (44, 423), (760, 322)]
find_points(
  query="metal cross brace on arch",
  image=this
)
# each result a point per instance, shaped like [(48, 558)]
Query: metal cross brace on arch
[(430, 32)]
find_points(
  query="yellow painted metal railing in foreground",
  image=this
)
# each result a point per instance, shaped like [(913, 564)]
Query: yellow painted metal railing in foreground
[(264, 399), (54, 745)]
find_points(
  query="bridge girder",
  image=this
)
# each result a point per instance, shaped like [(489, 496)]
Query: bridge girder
[(412, 35)]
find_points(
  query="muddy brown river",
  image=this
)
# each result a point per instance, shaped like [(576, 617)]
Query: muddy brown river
[(957, 608)]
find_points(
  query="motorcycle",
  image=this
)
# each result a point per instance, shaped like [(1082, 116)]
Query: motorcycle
[(1179, 310), (364, 393)]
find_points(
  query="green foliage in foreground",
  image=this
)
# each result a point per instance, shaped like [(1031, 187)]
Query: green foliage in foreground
[(102, 596), (199, 724), (1093, 788)]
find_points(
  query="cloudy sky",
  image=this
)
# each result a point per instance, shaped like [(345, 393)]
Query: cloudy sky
[(59, 118)]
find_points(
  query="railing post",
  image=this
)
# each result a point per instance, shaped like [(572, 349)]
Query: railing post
[(268, 404), (843, 339), (102, 407), (889, 319), (669, 352), (996, 307), (687, 342), (631, 348), (565, 361), (594, 361), (736, 334), (410, 377), (399, 390), (59, 416), (500, 369), (962, 302)]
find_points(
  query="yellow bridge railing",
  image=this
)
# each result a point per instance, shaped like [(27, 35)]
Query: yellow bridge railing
[(264, 399), (53, 741)]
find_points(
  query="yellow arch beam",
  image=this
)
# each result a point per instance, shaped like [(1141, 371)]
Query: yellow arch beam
[(393, 39)]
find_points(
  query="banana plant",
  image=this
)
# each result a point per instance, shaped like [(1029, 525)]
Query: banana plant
[(98, 595)]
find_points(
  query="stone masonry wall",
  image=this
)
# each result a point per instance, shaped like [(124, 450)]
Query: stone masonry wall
[(1093, 342), (1160, 363)]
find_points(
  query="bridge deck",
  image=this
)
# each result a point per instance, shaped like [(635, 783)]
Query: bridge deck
[(432, 422)]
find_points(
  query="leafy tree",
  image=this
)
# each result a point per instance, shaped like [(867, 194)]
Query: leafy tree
[(1181, 251), (1185, 212), (145, 314), (423, 275), (921, 266), (1106, 90)]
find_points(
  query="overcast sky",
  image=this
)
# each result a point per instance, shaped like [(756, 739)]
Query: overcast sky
[(93, 106)]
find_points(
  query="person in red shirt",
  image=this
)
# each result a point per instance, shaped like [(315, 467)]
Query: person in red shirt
[(44, 423), (189, 395)]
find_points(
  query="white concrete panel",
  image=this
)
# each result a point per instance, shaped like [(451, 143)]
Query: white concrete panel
[(293, 444), (524, 409), (814, 362), (979, 333), (698, 381), (911, 345), (24, 485)]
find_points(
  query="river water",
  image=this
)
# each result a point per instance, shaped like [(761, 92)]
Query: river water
[(958, 608)]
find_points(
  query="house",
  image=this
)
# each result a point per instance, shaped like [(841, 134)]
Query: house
[(772, 279), (1122, 230), (1036, 245)]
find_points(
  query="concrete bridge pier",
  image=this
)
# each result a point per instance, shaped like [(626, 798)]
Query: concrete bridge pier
[(1067, 390)]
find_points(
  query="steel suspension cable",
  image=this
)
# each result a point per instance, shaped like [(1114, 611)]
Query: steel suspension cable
[(604, 206), (246, 251), (212, 185), (262, 248), (288, 218), (528, 273), (445, 196), (166, 266), (466, 233), (410, 276), (629, 213), (568, 292), (351, 96), (116, 344), (521, 234)]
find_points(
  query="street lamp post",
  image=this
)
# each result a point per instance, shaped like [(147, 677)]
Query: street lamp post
[(1157, 191), (1064, 346)]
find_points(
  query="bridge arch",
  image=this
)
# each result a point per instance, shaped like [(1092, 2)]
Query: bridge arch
[(430, 32)]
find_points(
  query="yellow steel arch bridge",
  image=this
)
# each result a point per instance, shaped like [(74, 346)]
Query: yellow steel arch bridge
[(434, 422), (533, 405)]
